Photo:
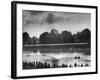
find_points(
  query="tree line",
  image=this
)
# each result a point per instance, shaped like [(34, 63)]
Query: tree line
[(55, 37)]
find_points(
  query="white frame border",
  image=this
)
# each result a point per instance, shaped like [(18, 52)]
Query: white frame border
[(50, 71)]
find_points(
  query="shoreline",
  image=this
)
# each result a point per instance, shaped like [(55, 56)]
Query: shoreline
[(41, 65)]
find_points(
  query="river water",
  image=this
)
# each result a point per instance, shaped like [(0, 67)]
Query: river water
[(57, 56)]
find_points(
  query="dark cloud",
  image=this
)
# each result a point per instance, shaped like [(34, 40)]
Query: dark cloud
[(29, 17), (44, 21), (42, 17), (27, 22), (36, 12), (51, 19)]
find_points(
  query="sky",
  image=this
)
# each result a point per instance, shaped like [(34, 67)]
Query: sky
[(37, 22)]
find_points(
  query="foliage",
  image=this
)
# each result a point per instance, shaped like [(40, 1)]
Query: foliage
[(28, 40), (55, 37)]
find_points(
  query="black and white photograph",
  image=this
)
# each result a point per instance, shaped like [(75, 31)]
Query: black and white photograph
[(56, 39), (53, 39)]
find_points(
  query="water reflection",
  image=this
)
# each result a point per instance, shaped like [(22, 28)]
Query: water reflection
[(56, 57)]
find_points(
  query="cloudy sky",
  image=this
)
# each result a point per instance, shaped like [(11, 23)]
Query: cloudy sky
[(37, 22)]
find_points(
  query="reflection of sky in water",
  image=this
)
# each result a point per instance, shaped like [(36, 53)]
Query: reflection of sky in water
[(54, 58)]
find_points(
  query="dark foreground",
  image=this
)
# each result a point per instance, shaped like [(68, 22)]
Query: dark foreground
[(40, 65)]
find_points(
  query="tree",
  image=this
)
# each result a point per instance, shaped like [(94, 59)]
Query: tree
[(67, 37), (76, 38), (44, 38), (50, 38), (55, 37), (54, 32), (26, 38), (34, 40), (85, 35)]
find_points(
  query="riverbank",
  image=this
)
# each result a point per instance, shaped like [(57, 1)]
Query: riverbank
[(41, 65)]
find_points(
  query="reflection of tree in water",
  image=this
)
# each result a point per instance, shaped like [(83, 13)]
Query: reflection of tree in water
[(59, 49)]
